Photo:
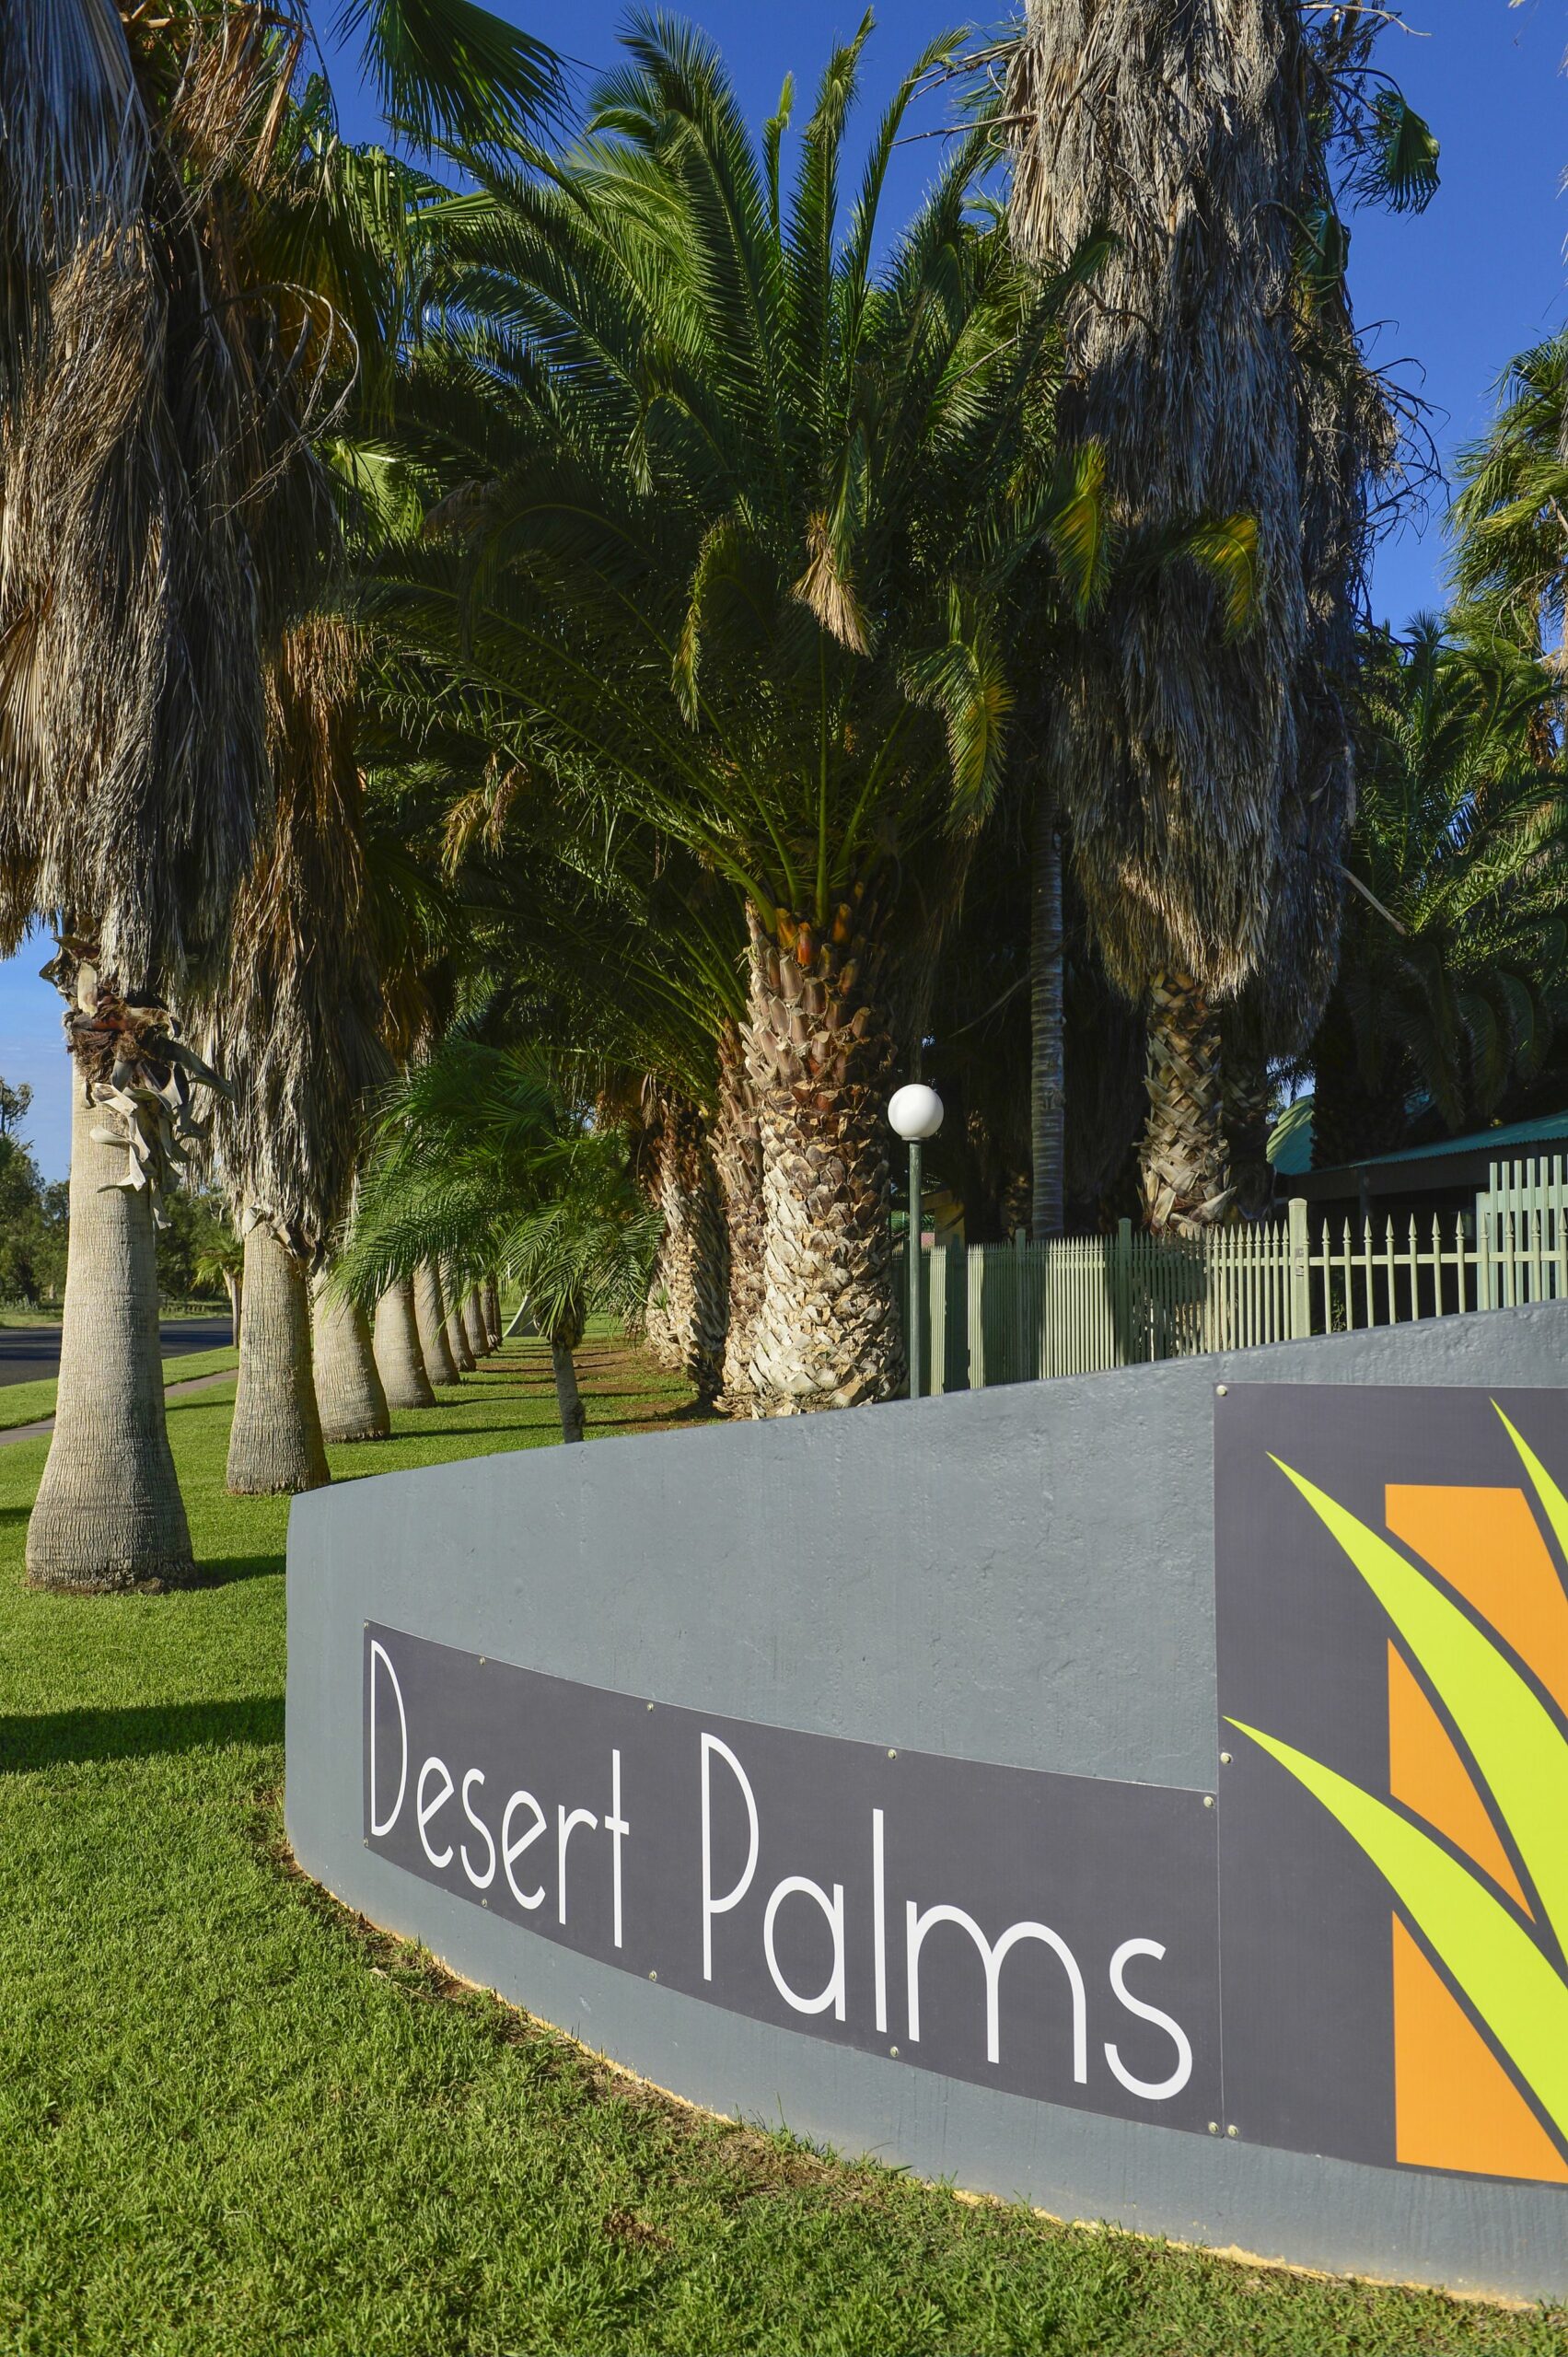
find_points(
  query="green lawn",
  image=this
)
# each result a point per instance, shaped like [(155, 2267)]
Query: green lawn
[(28, 1403), (232, 2118)]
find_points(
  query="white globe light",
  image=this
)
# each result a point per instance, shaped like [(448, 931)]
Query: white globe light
[(915, 1111)]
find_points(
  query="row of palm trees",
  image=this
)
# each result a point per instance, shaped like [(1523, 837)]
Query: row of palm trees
[(531, 695)]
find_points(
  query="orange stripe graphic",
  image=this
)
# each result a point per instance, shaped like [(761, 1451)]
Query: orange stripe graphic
[(1455, 2107)]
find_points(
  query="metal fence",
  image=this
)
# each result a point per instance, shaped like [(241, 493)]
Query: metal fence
[(1015, 1313)]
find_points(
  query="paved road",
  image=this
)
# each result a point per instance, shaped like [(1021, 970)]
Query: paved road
[(29, 1351)]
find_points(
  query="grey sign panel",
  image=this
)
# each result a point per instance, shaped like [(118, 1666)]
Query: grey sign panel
[(1052, 1936), (1304, 1655)]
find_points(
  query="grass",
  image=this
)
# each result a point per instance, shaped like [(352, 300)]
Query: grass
[(234, 2119), (28, 1403)]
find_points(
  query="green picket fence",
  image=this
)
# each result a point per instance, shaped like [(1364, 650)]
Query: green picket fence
[(1018, 1313)]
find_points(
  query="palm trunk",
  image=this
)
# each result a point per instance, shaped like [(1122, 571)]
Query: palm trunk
[(457, 1333), (568, 1399), (821, 1059), (1046, 1028), (430, 1312), (236, 1290), (693, 1268), (1183, 1164), (490, 1299), (349, 1393), (1247, 1102), (737, 1159), (274, 1443), (109, 1513), (400, 1361), (473, 1327)]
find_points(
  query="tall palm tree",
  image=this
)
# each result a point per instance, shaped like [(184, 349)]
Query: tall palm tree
[(481, 1164), (1198, 136), (734, 519), (167, 352), (143, 410)]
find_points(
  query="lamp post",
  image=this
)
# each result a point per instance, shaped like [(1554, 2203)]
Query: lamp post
[(915, 1112)]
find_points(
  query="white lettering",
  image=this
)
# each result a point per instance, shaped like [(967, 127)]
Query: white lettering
[(833, 1994), (511, 1851), (565, 1826), (879, 1921), (483, 1881), (384, 1825), (1161, 2090), (994, 1959), (425, 1811), (712, 1906), (616, 1825)]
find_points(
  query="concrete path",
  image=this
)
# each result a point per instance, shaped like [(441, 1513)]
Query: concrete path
[(170, 1391)]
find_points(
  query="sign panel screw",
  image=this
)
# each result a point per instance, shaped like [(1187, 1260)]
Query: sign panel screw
[(1230, 2131), (1208, 1800), (1225, 1760), (1221, 1390), (650, 1706), (1214, 2128), (894, 2052), (892, 1755), (652, 1976)]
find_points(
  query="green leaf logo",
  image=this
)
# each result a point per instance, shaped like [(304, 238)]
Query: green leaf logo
[(1513, 1977)]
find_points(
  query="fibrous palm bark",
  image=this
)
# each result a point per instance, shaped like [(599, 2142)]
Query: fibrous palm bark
[(1183, 1151), (690, 1295), (490, 1297), (1184, 133), (474, 1326), (108, 1513), (350, 1396), (821, 1064), (430, 1309), (400, 1361), (274, 1443), (737, 1160), (1047, 1025)]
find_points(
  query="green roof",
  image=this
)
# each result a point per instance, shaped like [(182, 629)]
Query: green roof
[(1290, 1147)]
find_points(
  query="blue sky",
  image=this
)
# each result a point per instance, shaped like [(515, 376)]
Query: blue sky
[(1454, 294)]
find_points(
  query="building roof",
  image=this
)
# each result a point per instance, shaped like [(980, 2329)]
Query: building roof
[(1451, 1162)]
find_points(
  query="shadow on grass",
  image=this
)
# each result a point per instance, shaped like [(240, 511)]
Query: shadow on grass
[(141, 1733), (519, 1433), (222, 1571)]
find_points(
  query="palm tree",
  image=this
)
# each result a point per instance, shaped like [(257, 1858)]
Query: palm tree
[(294, 1025), (166, 351), (430, 1315), (221, 1262), (136, 370), (1511, 513), (1454, 976), (734, 518), (1198, 137), (479, 1163)]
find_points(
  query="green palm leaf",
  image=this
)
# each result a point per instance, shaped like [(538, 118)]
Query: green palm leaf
[(1512, 1735), (1523, 2002)]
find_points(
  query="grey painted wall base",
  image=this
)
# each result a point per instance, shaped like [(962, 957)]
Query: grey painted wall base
[(1022, 1575)]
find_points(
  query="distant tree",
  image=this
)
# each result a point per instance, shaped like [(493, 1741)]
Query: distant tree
[(32, 1217)]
